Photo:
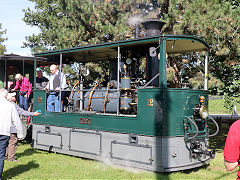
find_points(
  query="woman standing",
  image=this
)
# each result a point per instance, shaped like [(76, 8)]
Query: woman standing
[(25, 90)]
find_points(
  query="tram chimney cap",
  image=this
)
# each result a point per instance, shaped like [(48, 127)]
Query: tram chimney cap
[(153, 27)]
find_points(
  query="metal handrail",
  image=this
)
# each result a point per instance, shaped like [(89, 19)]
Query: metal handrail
[(217, 130)]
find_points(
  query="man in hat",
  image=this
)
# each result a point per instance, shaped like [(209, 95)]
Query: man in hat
[(8, 115), (25, 90), (13, 141)]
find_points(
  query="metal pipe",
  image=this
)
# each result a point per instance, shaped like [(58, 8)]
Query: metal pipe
[(118, 79), (162, 63), (60, 94), (197, 130), (217, 130), (206, 72), (150, 81), (224, 118), (35, 67), (136, 32), (81, 94)]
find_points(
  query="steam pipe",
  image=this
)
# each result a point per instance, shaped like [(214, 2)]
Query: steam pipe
[(136, 33), (195, 135)]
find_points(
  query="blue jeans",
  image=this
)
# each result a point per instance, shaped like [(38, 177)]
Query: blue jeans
[(53, 102), (23, 102), (3, 147)]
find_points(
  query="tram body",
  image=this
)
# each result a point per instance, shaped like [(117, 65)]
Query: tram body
[(146, 125)]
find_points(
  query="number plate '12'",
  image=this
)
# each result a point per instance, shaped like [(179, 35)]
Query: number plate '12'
[(149, 102)]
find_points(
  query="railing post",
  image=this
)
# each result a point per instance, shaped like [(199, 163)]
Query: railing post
[(162, 64)]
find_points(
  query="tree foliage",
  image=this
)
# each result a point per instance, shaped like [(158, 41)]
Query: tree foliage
[(2, 47), (69, 23), (218, 22)]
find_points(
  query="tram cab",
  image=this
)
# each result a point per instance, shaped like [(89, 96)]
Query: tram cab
[(133, 102)]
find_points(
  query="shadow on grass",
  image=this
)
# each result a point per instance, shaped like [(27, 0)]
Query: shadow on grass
[(166, 175), (27, 152), (226, 174), (15, 171)]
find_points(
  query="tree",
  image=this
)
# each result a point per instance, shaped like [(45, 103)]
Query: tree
[(2, 47), (69, 23), (218, 22)]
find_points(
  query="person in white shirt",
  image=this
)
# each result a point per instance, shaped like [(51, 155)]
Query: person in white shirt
[(8, 116), (13, 141), (56, 83)]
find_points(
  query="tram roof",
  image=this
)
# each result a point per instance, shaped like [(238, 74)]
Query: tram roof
[(16, 57), (175, 44)]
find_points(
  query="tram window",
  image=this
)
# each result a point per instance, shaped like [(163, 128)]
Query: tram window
[(92, 86), (185, 70), (88, 86)]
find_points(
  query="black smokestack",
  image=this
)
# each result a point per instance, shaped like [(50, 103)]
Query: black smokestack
[(136, 32), (153, 27)]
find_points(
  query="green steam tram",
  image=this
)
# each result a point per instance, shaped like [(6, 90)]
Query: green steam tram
[(143, 113)]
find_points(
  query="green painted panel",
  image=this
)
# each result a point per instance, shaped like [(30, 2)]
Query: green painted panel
[(161, 112)]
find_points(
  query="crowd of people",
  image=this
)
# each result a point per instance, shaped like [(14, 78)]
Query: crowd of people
[(10, 123), (9, 118)]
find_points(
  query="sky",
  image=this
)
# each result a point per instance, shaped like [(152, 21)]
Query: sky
[(11, 16)]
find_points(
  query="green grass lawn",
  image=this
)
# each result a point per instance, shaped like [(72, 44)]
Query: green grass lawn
[(36, 164), (217, 107)]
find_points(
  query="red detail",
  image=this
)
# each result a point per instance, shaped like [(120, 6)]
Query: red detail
[(28, 120)]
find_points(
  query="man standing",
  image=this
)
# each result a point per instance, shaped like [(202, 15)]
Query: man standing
[(57, 82), (8, 115), (232, 148), (25, 90), (13, 141), (41, 81)]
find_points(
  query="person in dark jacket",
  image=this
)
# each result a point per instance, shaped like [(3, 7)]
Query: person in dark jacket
[(13, 141)]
